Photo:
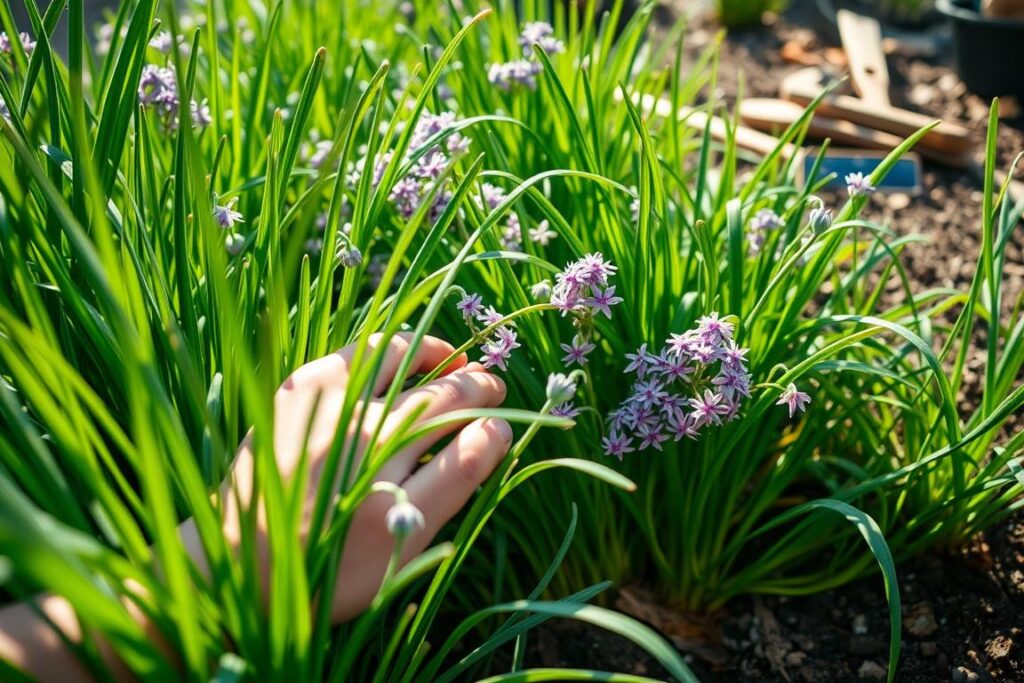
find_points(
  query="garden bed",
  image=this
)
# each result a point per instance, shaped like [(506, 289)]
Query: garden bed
[(962, 622), (962, 614)]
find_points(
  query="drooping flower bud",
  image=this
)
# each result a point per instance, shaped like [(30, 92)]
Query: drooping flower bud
[(820, 219), (403, 518), (560, 388)]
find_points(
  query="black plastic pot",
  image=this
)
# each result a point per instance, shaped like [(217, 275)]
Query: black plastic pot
[(988, 50)]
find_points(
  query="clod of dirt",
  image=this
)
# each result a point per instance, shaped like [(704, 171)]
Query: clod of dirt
[(919, 620), (871, 670)]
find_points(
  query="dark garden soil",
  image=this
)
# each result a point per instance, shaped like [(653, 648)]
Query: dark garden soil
[(963, 620), (963, 615)]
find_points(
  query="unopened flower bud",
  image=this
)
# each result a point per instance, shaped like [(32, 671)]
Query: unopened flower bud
[(350, 256), (820, 219), (403, 518), (234, 243), (541, 290), (560, 388)]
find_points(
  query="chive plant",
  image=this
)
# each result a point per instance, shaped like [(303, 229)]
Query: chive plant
[(184, 221), (198, 206), (789, 424)]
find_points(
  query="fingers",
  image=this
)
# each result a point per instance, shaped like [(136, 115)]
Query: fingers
[(334, 370), (441, 487), (471, 387)]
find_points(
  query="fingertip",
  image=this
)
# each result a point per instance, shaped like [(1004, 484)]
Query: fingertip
[(500, 428), (460, 362)]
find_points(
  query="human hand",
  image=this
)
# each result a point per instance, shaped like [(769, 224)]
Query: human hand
[(439, 488)]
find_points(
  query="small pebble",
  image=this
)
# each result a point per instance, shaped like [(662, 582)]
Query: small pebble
[(919, 620), (860, 625), (871, 670), (899, 201), (928, 649), (795, 658), (962, 674), (999, 647)]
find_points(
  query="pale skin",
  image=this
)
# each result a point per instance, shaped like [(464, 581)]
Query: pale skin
[(439, 488)]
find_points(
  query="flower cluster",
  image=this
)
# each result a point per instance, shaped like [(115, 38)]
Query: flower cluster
[(27, 44), (524, 71), (410, 191), (158, 89), (162, 42), (582, 288), (764, 221), (502, 342), (697, 380)]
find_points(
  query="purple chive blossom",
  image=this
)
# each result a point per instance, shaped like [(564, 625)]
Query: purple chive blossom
[(162, 42), (713, 329), (732, 384), (709, 408), (651, 437), (158, 90), (734, 355), (27, 44), (794, 399), (681, 425), (857, 184), (704, 353), (470, 306), (201, 117), (577, 288), (640, 361), (226, 216), (495, 355), (577, 351), (540, 33), (512, 236), (566, 409), (697, 379), (649, 393), (673, 404), (675, 367), (491, 196), (517, 73), (542, 234), (428, 155), (489, 316), (616, 444), (766, 219), (319, 153), (601, 302), (498, 348)]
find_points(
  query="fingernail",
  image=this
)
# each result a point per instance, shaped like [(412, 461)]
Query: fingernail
[(474, 367), (504, 430)]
